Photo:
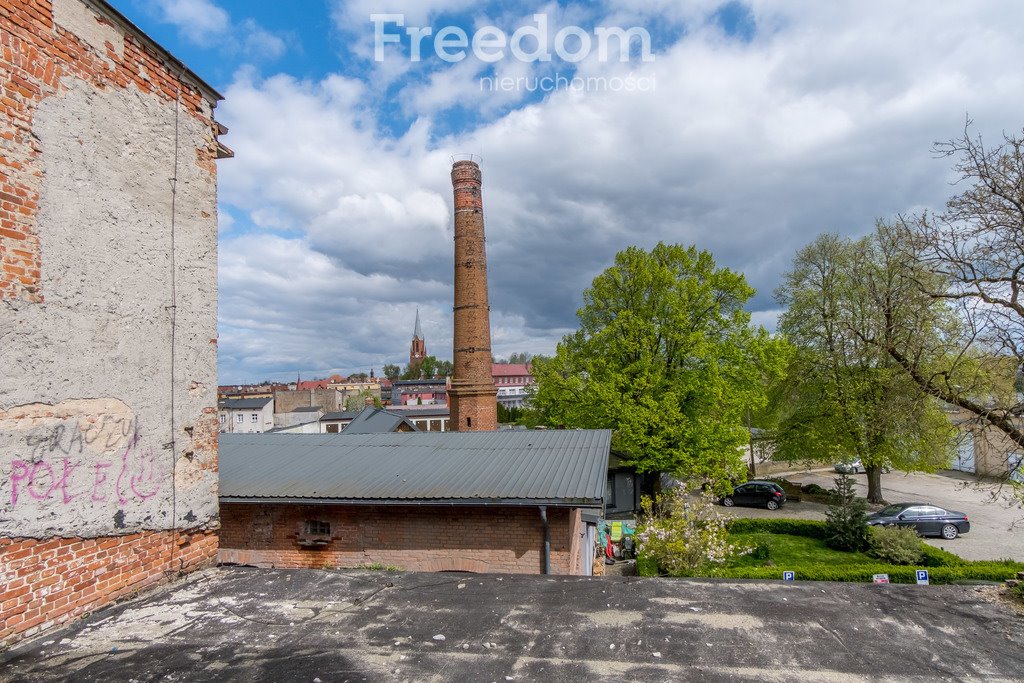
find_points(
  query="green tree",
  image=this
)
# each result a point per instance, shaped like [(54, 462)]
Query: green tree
[(428, 368), (666, 357), (969, 260), (359, 401), (843, 397), (846, 518), (392, 371)]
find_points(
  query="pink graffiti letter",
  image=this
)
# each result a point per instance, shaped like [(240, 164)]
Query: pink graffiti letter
[(19, 473), (98, 479), (69, 469), (42, 464)]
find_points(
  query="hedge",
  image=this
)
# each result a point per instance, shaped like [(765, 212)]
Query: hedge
[(791, 527), (943, 566), (973, 571)]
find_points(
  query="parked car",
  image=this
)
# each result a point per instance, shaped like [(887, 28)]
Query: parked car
[(926, 519), (756, 493), (856, 467)]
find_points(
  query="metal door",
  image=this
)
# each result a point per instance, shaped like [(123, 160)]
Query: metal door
[(964, 461)]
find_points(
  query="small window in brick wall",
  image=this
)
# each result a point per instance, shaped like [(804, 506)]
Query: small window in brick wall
[(315, 528), (315, 534)]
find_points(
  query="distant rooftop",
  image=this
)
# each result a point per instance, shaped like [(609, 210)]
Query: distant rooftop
[(244, 403), (340, 415), (510, 369)]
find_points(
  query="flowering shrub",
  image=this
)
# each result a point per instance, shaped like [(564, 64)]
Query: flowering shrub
[(683, 531)]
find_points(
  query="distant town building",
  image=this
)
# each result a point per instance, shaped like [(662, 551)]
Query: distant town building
[(410, 392), (299, 416), (427, 418), (511, 381), (250, 390), (246, 415), (335, 422), (328, 400)]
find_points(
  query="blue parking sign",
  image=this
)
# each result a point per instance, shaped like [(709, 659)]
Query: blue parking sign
[(789, 576), (922, 577)]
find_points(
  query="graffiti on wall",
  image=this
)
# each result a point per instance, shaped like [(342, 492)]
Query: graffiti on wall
[(79, 464)]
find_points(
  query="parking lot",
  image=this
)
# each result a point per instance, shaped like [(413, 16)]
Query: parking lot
[(997, 527)]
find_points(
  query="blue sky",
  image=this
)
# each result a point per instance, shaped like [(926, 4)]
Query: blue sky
[(763, 124)]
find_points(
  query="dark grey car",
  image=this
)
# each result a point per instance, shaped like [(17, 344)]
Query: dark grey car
[(757, 493), (926, 519)]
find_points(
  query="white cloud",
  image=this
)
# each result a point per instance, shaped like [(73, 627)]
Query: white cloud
[(260, 44), (199, 20), (207, 24), (823, 121)]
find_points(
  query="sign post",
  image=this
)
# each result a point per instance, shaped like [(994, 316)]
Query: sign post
[(922, 577), (789, 576), (881, 578)]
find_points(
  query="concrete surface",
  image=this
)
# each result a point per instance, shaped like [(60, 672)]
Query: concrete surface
[(237, 624), (997, 527)]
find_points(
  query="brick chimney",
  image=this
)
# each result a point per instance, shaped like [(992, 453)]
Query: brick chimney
[(473, 396)]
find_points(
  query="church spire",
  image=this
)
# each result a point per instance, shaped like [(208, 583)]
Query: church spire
[(418, 348)]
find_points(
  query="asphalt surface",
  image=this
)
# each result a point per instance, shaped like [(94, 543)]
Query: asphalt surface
[(997, 525), (237, 624)]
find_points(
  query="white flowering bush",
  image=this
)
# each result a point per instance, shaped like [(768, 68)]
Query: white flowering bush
[(683, 532)]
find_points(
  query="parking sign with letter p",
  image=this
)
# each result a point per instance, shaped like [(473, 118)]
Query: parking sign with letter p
[(922, 577)]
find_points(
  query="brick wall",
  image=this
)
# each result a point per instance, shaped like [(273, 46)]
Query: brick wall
[(35, 54), (50, 582), (427, 538), (93, 505), (328, 400)]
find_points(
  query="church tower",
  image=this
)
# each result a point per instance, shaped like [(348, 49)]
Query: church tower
[(418, 348)]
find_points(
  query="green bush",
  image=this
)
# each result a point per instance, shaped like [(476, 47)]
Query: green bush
[(814, 490), (895, 545), (937, 557), (846, 518), (794, 527), (646, 566), (764, 545), (1019, 591)]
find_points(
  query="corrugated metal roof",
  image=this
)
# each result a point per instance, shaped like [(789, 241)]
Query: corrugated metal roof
[(568, 466)]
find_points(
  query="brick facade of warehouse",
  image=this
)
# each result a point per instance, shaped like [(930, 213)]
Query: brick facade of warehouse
[(413, 538), (108, 257)]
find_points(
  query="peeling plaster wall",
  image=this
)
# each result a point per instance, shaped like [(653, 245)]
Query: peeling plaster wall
[(87, 444)]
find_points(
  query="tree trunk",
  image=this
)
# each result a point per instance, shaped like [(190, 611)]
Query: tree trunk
[(874, 484)]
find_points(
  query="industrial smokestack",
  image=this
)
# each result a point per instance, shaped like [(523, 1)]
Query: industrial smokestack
[(473, 401)]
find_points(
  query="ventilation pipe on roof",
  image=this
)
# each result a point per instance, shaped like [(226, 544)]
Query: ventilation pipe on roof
[(547, 539)]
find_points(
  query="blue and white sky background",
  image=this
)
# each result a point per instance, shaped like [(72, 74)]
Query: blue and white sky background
[(767, 123)]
